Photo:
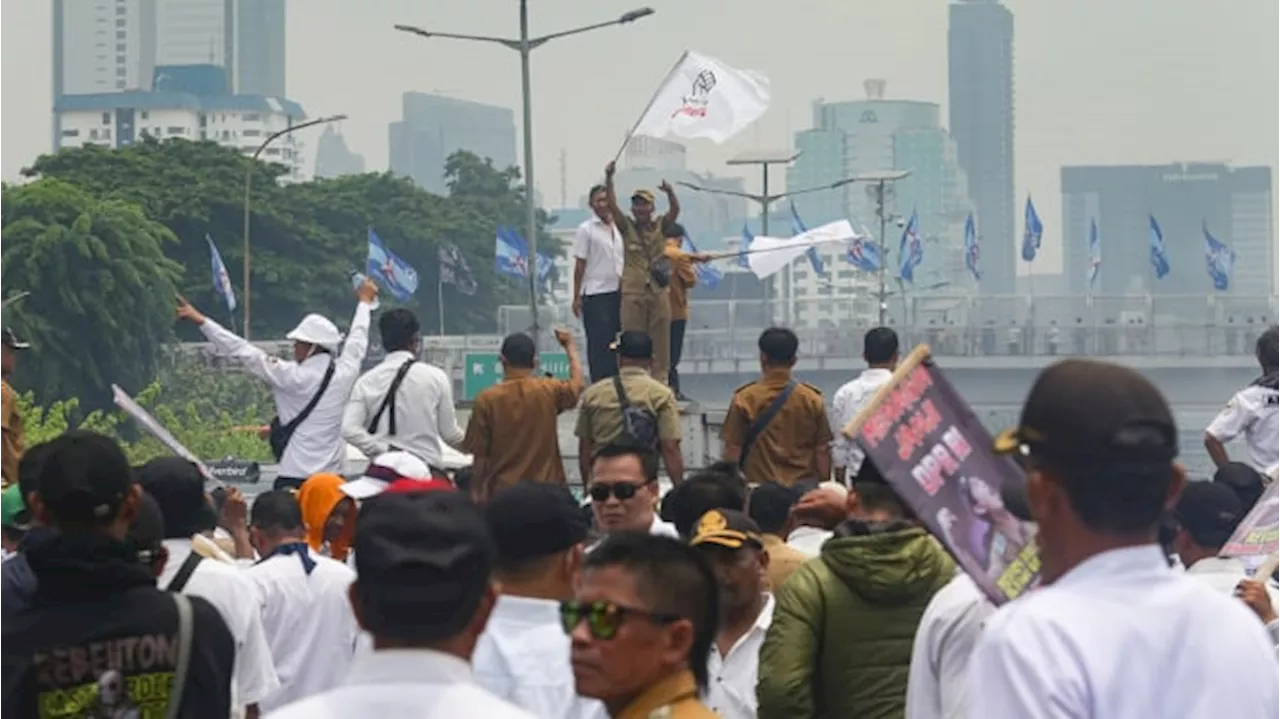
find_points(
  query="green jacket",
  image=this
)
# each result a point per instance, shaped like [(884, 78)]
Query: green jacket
[(843, 624)]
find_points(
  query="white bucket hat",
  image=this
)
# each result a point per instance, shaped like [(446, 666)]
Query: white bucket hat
[(386, 468), (316, 330)]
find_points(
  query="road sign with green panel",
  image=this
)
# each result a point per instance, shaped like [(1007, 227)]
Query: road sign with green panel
[(482, 370)]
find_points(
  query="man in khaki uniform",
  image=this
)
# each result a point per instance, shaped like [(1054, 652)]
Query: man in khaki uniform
[(683, 278), (13, 441), (792, 444), (645, 305), (600, 416)]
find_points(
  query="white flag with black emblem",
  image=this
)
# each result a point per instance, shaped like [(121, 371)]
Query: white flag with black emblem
[(704, 98)]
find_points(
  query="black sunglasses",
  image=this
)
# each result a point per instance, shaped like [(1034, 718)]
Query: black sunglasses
[(600, 491), (605, 618)]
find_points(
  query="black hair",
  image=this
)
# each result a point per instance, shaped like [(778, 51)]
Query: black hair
[(700, 494), (1124, 498), (625, 446), (879, 345), (671, 578), (398, 328), (770, 505), (779, 345), (1268, 348), (519, 350), (146, 532), (29, 468), (591, 194), (674, 230), (277, 511), (880, 496)]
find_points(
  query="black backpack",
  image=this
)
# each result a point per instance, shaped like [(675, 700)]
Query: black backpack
[(638, 423)]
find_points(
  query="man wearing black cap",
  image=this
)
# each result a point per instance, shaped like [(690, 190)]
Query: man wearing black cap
[(1098, 444), (523, 655), (423, 591), (13, 442), (633, 403), (1206, 515), (100, 639)]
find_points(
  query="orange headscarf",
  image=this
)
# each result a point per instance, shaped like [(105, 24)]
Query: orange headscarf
[(317, 497)]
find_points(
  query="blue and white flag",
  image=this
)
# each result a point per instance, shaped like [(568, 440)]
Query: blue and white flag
[(509, 254), (747, 239), (387, 269), (1159, 258), (221, 278), (1095, 252), (971, 251), (797, 228), (910, 249), (708, 274), (1219, 260), (1032, 231)]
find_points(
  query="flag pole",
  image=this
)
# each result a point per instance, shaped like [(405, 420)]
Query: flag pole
[(440, 300), (670, 73)]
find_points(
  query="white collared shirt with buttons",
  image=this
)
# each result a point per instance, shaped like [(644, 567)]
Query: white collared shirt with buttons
[(847, 403), (599, 244), (1122, 636), (316, 445), (404, 683), (1253, 412), (1223, 574), (731, 692), (523, 657), (424, 411), (237, 599), (308, 623), (938, 680)]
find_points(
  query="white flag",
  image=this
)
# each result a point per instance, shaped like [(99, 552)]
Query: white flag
[(704, 98), (770, 254)]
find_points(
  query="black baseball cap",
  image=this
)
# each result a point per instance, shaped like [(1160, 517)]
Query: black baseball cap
[(1209, 512), (11, 340), (633, 344), (534, 519), (178, 487), (1087, 414), (84, 478), (674, 230), (1241, 479), (726, 528), (423, 561), (146, 533)]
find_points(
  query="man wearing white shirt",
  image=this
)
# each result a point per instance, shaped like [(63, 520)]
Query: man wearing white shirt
[(423, 591), (1113, 632), (523, 655), (305, 613), (597, 273), (310, 392), (938, 680), (1253, 412), (880, 350), (402, 403)]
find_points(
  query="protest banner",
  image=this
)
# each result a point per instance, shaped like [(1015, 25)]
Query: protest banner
[(1258, 533), (157, 430), (927, 443)]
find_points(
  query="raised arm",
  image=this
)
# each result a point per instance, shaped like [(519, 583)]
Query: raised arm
[(673, 204), (278, 373), (611, 195)]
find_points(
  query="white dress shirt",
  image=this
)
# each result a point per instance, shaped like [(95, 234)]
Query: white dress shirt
[(237, 599), (848, 401), (404, 684), (808, 540), (424, 411), (938, 680), (1122, 636), (600, 245), (523, 657), (316, 445), (308, 623), (731, 692), (1253, 413)]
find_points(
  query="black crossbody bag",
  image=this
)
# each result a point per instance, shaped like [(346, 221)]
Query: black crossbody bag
[(280, 434)]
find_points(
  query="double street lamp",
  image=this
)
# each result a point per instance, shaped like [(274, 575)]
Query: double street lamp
[(248, 185), (526, 45)]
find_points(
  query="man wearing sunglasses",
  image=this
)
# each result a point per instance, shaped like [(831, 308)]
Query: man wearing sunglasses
[(624, 489), (642, 622)]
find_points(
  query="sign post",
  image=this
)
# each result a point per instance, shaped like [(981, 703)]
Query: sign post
[(482, 370)]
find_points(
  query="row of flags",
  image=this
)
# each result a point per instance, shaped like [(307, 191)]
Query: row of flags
[(511, 259)]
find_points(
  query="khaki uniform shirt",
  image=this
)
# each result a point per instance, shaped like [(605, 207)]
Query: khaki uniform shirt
[(783, 560), (683, 279), (785, 451), (600, 417), (640, 246), (675, 697), (513, 429), (13, 441)]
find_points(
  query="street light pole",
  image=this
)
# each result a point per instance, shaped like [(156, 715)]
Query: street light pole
[(248, 188), (525, 46)]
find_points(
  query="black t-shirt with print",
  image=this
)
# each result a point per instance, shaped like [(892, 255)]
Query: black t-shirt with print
[(114, 657)]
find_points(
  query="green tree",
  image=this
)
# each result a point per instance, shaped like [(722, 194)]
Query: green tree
[(101, 289)]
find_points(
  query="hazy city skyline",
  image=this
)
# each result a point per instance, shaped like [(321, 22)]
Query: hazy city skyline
[(1096, 81)]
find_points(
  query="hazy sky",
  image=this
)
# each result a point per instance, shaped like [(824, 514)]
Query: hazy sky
[(1097, 81)]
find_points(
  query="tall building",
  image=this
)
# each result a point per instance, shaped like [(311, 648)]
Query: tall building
[(260, 48), (334, 158), (103, 47), (1235, 204), (434, 127), (980, 73)]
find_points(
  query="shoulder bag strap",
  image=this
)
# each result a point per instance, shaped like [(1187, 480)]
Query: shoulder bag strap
[(186, 630), (315, 400), (623, 402), (758, 426), (183, 576), (389, 401)]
